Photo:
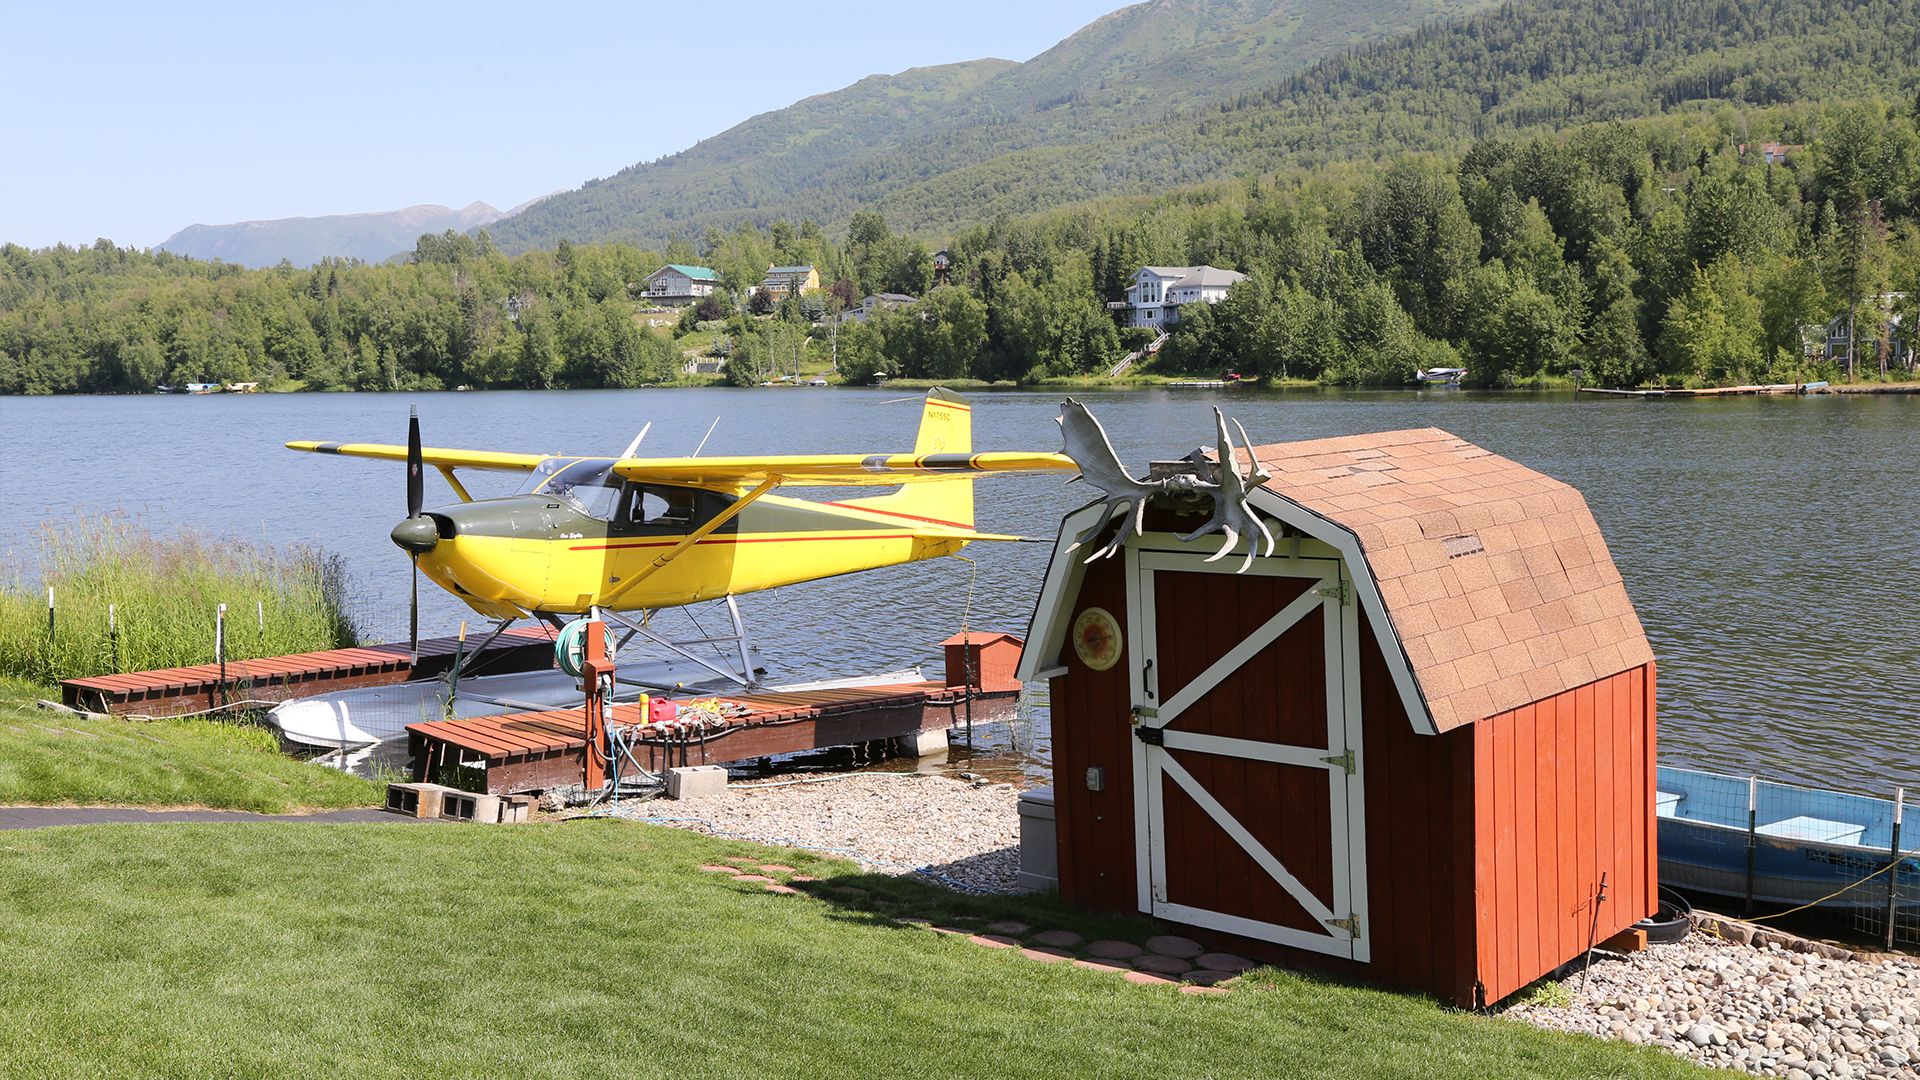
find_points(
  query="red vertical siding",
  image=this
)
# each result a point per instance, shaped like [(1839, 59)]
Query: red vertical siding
[(1420, 833), (1091, 729), (1564, 794)]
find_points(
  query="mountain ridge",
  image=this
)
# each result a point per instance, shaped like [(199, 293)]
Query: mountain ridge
[(832, 154)]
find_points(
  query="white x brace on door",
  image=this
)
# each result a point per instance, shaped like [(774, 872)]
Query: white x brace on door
[(1249, 716)]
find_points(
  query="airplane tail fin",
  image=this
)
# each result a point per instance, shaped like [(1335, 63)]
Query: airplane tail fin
[(946, 427)]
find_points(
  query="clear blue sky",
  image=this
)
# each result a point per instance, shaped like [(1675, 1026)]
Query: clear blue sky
[(131, 121)]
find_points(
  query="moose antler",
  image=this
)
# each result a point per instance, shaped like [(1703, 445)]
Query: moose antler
[(1231, 514), (1126, 498)]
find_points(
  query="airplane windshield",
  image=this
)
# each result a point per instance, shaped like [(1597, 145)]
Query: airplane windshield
[(588, 483)]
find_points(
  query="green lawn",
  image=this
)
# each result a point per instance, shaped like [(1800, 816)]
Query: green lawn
[(599, 948), (50, 758)]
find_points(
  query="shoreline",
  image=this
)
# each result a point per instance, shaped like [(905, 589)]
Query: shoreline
[(1153, 383)]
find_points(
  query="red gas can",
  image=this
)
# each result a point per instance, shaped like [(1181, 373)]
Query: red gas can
[(662, 711)]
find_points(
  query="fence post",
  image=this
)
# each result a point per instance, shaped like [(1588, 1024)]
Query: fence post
[(49, 617), (1893, 875), (1753, 817), (113, 636), (220, 650)]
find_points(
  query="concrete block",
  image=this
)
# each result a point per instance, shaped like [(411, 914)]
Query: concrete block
[(515, 809), (923, 743), (468, 806), (416, 800), (1039, 842), (696, 781)]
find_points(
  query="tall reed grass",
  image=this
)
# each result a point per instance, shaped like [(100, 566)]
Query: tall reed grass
[(164, 592)]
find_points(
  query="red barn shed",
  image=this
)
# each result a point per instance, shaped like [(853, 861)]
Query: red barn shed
[(1408, 745)]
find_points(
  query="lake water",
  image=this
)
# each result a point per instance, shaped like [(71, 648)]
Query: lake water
[(1771, 544)]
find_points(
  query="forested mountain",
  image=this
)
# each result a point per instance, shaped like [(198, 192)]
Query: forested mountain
[(828, 156), (305, 241), (1696, 192), (1529, 63)]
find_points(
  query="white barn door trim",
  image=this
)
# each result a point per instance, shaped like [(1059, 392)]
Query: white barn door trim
[(1344, 919)]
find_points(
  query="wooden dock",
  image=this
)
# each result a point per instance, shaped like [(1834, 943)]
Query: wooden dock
[(534, 751), (1718, 391), (175, 691)]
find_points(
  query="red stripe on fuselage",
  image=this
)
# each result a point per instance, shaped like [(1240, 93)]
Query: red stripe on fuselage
[(740, 540), (898, 514)]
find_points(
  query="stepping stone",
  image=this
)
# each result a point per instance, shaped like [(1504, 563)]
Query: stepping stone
[(1203, 977), (1010, 927), (1221, 961), (803, 878), (713, 869), (1197, 990), (1095, 965), (1046, 955), (787, 889), (993, 941), (754, 877), (1108, 949), (776, 868), (1059, 939), (1169, 945), (1143, 978), (954, 930), (1164, 965)]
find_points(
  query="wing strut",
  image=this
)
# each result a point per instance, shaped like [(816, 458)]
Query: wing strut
[(454, 482), (693, 538)]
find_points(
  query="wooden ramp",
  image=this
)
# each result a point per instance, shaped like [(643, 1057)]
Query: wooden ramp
[(538, 750), (174, 691)]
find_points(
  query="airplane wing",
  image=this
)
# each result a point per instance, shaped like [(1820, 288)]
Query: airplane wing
[(835, 470), (432, 455)]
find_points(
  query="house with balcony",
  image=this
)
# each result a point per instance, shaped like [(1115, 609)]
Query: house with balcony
[(885, 301), (782, 280), (1155, 293), (676, 284)]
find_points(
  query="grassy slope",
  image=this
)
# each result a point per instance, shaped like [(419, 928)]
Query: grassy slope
[(48, 758), (599, 948)]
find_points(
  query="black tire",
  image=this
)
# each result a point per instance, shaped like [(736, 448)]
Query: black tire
[(1672, 921)]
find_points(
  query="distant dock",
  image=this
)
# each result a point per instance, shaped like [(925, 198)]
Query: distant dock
[(1769, 388)]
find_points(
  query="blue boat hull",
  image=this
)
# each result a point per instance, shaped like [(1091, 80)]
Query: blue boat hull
[(1808, 844)]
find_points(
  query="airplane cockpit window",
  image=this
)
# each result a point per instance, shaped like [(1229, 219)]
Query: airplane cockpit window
[(662, 506), (588, 483)]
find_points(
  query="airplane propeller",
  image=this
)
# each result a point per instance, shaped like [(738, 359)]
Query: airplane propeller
[(417, 534)]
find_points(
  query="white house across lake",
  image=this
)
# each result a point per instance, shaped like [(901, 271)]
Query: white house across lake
[(676, 283), (1154, 297)]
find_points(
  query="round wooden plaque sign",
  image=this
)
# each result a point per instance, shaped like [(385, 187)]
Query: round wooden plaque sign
[(1096, 639)]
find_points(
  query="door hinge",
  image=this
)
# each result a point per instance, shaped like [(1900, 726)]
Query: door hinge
[(1351, 924), (1344, 759), (1152, 736), (1337, 590)]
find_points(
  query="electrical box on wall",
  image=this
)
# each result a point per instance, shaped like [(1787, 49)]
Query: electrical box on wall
[(1096, 779)]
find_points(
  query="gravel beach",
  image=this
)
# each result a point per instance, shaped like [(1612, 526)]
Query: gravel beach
[(1762, 1010), (950, 830)]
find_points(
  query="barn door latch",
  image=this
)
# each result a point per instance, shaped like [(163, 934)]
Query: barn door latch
[(1150, 735), (1344, 759), (1351, 924), (1337, 590)]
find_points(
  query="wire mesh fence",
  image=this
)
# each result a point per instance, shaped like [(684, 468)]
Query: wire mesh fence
[(1779, 848)]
